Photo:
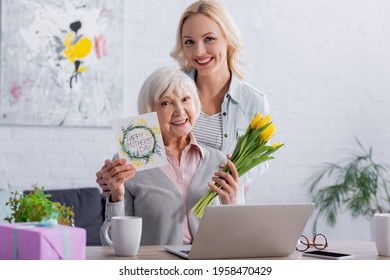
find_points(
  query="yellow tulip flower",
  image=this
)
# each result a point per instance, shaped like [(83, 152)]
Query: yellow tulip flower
[(255, 120), (264, 121), (267, 133), (277, 144)]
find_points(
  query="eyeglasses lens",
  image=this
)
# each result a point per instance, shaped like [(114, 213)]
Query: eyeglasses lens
[(320, 242), (303, 244)]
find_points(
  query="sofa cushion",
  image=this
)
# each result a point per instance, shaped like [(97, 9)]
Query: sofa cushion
[(88, 206)]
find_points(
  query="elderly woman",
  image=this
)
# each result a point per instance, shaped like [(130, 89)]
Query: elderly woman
[(164, 196)]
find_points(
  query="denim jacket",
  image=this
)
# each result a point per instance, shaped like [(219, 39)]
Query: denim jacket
[(240, 105)]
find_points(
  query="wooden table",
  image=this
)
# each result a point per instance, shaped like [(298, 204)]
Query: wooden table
[(360, 249)]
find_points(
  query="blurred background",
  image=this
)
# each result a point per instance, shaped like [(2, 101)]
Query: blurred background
[(324, 66)]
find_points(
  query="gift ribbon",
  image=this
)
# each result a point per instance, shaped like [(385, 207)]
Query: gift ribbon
[(66, 245), (15, 241), (66, 254)]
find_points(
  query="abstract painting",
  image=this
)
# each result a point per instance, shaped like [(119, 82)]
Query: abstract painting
[(61, 62)]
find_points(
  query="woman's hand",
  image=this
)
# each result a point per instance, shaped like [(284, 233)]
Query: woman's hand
[(229, 184), (112, 177), (99, 178)]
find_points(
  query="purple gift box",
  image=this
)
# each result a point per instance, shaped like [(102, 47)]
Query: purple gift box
[(29, 241)]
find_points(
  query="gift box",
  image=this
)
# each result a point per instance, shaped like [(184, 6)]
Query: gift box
[(31, 241)]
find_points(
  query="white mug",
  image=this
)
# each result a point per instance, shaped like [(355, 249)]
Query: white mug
[(126, 234), (382, 233)]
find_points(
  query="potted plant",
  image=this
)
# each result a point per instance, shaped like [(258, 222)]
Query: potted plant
[(36, 207), (359, 185)]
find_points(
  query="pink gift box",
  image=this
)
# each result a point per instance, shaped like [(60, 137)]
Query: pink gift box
[(29, 241)]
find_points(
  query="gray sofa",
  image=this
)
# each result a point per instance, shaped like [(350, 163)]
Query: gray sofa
[(88, 205)]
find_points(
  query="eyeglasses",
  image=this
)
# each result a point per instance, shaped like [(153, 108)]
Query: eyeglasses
[(319, 242)]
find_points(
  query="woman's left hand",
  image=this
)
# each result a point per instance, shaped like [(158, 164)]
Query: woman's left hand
[(229, 184)]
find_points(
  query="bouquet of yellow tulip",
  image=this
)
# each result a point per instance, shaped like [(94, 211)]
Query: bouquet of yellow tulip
[(251, 150)]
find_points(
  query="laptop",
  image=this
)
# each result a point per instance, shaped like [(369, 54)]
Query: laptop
[(247, 231)]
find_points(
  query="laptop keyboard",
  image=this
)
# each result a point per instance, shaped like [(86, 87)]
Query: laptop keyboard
[(185, 252)]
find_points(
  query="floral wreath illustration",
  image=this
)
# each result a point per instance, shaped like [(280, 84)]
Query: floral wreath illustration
[(145, 157)]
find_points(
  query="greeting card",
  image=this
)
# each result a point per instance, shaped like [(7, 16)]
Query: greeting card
[(140, 141)]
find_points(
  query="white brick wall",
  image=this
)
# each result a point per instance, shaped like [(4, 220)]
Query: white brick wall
[(324, 65), (51, 156)]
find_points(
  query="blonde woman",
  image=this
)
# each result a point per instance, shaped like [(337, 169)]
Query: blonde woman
[(207, 48)]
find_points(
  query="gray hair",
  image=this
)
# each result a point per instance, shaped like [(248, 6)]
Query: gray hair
[(161, 82)]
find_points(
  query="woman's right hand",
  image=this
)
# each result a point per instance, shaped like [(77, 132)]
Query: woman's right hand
[(112, 177)]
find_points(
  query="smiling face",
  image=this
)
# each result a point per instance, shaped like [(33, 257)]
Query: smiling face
[(177, 114), (204, 44)]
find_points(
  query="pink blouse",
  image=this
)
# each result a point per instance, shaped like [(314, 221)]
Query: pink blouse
[(181, 175)]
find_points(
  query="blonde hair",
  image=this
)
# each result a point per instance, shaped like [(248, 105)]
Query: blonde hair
[(163, 81), (215, 11)]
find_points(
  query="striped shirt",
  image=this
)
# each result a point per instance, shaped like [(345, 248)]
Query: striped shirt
[(208, 130)]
